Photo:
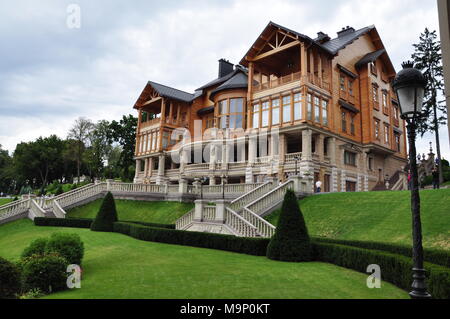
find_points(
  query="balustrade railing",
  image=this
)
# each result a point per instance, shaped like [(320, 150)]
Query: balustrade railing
[(79, 194), (267, 200), (263, 227), (36, 210), (14, 208), (209, 213), (291, 156), (250, 196), (185, 220), (241, 226)]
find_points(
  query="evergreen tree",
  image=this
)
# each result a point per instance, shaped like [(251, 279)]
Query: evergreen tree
[(291, 241), (427, 58), (106, 216)]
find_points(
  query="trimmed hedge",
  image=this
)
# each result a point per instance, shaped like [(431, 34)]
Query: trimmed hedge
[(63, 222), (106, 216), (87, 222), (395, 268), (250, 246), (291, 240), (435, 256)]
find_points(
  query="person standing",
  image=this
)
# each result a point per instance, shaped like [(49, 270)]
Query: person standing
[(409, 180), (318, 186), (435, 175)]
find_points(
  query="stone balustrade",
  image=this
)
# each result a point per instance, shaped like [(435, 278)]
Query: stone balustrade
[(185, 220), (291, 157), (209, 213), (35, 210), (250, 196), (14, 208), (80, 194), (266, 201), (241, 226), (263, 228)]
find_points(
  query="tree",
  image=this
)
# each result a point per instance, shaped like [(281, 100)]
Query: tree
[(6, 174), (80, 132), (106, 216), (40, 160), (427, 58), (291, 240), (99, 148), (124, 132)]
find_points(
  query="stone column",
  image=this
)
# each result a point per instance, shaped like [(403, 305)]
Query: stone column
[(332, 150), (182, 186), (307, 145), (146, 167), (212, 180), (198, 210), (161, 165), (282, 148), (252, 148), (225, 154), (212, 156), (220, 210), (319, 147), (150, 166)]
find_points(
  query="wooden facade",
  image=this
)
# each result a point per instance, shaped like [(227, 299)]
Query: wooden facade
[(329, 99)]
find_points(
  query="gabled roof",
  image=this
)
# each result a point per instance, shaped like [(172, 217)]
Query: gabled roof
[(337, 44), (171, 93), (369, 57), (238, 81)]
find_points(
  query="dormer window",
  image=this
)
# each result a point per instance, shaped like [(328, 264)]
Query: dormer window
[(373, 68)]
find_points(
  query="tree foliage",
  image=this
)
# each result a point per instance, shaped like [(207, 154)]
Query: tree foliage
[(106, 216), (291, 241)]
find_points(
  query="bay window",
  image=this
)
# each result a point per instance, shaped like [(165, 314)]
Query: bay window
[(297, 106), (275, 111)]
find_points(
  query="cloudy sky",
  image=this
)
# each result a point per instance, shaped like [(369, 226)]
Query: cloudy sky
[(51, 74)]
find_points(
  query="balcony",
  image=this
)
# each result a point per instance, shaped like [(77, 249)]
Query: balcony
[(150, 123), (291, 78)]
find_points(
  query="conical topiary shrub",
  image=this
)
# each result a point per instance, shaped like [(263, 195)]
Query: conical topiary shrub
[(291, 240), (106, 216)]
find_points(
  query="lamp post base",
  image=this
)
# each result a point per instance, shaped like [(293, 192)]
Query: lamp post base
[(419, 288)]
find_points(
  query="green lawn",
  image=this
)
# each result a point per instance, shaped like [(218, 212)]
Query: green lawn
[(4, 201), (118, 266), (152, 212), (377, 216)]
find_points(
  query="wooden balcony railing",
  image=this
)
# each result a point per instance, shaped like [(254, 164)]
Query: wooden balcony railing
[(277, 82), (150, 123)]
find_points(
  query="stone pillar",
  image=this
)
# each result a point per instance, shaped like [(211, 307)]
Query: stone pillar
[(252, 148), (343, 177), (282, 148), (146, 167), (212, 180), (108, 184), (161, 165), (212, 156), (334, 180), (319, 147), (182, 186), (220, 210), (183, 160), (307, 145), (197, 184), (138, 166), (332, 150), (225, 155), (150, 166), (198, 210)]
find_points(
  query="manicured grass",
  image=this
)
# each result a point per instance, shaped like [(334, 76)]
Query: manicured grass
[(4, 201), (152, 212), (377, 216), (118, 266)]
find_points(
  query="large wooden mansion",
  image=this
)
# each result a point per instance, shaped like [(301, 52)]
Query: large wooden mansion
[(294, 104)]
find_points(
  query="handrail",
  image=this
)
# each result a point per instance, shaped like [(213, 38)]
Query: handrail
[(36, 209), (264, 228), (242, 200), (185, 220), (262, 201), (58, 211), (239, 224), (73, 191), (14, 208)]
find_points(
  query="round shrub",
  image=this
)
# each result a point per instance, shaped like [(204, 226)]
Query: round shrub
[(106, 216), (66, 245), (9, 279), (37, 247), (291, 241), (46, 273)]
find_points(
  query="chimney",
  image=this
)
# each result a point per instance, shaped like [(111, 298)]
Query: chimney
[(322, 37), (225, 67), (345, 31)]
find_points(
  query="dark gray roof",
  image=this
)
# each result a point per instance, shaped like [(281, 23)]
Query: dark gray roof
[(206, 110), (347, 71), (238, 81), (369, 57), (217, 81), (348, 106), (336, 44), (172, 93)]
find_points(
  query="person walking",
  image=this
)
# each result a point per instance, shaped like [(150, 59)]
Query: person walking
[(435, 175), (318, 186)]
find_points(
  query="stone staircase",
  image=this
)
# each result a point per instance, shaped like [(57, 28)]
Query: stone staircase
[(244, 215)]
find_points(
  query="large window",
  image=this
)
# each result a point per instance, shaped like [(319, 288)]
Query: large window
[(386, 133), (375, 95), (275, 111), (377, 129), (385, 102), (309, 107), (316, 109), (325, 112), (265, 114), (286, 108), (256, 115), (349, 158), (231, 113), (297, 106), (352, 125)]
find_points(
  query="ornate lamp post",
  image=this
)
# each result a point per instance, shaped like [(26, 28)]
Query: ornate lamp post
[(409, 85), (296, 159)]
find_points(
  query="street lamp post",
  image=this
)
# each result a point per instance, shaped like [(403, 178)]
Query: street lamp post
[(409, 85)]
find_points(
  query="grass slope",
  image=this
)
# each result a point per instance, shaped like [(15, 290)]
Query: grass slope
[(377, 216), (117, 266), (152, 212), (4, 201)]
